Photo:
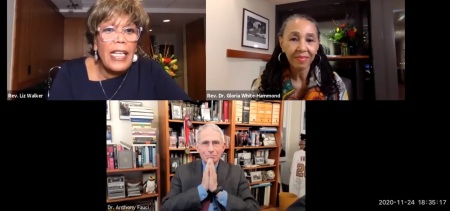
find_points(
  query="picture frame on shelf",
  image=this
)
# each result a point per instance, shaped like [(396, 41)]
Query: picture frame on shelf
[(255, 30), (255, 176), (108, 110), (177, 111), (224, 157), (108, 134), (124, 108), (259, 160)]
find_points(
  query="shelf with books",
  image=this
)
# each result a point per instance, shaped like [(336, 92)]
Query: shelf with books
[(140, 169), (258, 167), (230, 116), (173, 146), (132, 198), (198, 122), (121, 181), (253, 121)]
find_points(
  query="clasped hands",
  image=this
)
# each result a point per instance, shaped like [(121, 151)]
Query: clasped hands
[(209, 180)]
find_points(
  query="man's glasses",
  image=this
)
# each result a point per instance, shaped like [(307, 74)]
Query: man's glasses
[(109, 33), (207, 143)]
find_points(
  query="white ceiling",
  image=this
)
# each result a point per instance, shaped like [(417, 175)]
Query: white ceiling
[(180, 12)]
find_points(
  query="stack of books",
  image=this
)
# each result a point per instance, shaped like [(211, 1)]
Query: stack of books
[(144, 136), (133, 189), (141, 118)]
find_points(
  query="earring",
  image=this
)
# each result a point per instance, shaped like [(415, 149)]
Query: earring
[(95, 56), (135, 57), (279, 56)]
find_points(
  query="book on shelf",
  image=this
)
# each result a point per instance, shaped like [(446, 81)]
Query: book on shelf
[(213, 110), (141, 118), (140, 155), (261, 192), (257, 112)]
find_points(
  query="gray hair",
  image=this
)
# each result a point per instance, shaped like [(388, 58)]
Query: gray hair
[(298, 16), (211, 126)]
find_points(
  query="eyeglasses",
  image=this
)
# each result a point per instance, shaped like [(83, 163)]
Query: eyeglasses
[(207, 143), (109, 33)]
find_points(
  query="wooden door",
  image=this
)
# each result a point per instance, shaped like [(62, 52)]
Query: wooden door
[(75, 44), (21, 62)]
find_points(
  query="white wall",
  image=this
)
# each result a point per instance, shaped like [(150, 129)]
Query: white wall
[(224, 31), (121, 129), (293, 122), (11, 6)]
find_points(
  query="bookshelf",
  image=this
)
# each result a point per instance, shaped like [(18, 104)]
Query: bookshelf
[(137, 174), (229, 127)]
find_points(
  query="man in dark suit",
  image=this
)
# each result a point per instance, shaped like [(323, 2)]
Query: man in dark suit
[(209, 183)]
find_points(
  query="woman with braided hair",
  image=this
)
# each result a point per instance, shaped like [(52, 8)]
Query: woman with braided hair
[(299, 68)]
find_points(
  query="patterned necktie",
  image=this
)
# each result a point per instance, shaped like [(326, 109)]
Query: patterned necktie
[(206, 203)]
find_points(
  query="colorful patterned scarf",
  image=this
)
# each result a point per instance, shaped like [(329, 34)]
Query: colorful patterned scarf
[(313, 89)]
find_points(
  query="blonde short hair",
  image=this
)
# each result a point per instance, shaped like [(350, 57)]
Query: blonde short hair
[(105, 10)]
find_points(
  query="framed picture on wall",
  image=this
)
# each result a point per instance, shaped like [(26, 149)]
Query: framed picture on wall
[(108, 111), (255, 30), (124, 108)]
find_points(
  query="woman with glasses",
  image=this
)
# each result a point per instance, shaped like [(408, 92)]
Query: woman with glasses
[(117, 69)]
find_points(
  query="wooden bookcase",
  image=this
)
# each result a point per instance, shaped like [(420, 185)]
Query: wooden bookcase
[(137, 173), (229, 130)]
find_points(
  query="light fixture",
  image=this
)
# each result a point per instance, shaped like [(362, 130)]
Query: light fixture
[(166, 21), (72, 5), (150, 30)]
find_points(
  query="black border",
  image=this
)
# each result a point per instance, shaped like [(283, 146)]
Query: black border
[(58, 153), (362, 152)]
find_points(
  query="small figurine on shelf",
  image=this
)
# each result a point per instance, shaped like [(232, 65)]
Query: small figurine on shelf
[(150, 185)]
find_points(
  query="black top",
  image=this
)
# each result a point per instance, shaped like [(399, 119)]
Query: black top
[(146, 80), (298, 205)]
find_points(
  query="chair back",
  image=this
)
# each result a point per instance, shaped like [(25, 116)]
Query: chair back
[(51, 75)]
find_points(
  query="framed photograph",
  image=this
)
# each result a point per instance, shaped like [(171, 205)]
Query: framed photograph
[(259, 160), (124, 108), (108, 111), (108, 134), (176, 111), (255, 176), (224, 157), (174, 163), (255, 30)]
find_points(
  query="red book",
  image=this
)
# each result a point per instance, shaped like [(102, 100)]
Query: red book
[(225, 111)]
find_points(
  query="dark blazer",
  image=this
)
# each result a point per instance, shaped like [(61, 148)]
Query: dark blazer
[(146, 80), (298, 205), (183, 194)]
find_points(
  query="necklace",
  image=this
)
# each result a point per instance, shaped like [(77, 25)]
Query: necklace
[(117, 88)]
